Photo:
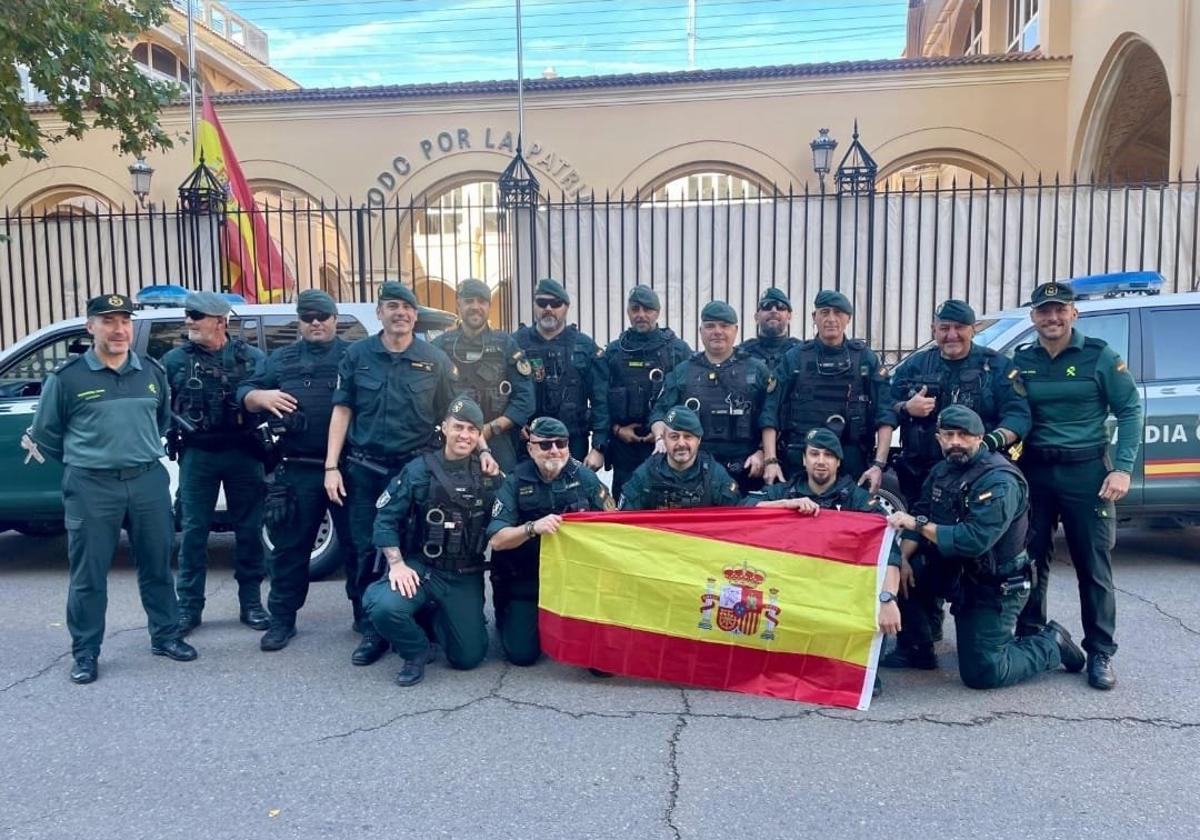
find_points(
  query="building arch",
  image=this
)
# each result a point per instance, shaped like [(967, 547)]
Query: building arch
[(974, 151), (35, 186), (1125, 130), (941, 166), (707, 179), (706, 155)]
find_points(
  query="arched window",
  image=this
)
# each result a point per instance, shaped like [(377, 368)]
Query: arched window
[(68, 201), (709, 186), (159, 62)]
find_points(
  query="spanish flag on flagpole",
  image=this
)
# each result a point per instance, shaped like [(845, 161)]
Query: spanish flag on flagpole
[(255, 266), (754, 600)]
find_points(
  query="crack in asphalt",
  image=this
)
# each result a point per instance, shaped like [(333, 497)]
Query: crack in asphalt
[(673, 763), (50, 666), (1194, 631)]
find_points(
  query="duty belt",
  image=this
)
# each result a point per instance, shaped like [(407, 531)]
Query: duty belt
[(1062, 455), (390, 464), (123, 474)]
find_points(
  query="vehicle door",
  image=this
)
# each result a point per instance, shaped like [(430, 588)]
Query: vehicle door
[(1172, 401), (31, 491)]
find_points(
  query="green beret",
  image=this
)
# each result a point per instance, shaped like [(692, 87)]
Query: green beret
[(957, 311), (466, 410), (551, 287), (773, 295), (823, 438), (836, 300), (962, 418), (1052, 292), (683, 419), (391, 290), (645, 297), (718, 310), (315, 300), (105, 304), (210, 303), (548, 427), (472, 288)]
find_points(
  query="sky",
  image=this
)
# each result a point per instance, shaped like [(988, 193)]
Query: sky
[(330, 43)]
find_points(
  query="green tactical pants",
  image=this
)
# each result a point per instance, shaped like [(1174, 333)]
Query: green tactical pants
[(458, 623), (97, 504), (202, 473), (1070, 492), (516, 604), (989, 655)]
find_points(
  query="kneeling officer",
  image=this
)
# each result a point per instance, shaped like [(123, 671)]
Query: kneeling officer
[(682, 476), (438, 509), (971, 524)]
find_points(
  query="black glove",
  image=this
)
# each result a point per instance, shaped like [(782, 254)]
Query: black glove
[(280, 505)]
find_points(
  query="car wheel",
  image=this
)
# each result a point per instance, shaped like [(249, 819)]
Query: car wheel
[(890, 502), (325, 558), (41, 528)]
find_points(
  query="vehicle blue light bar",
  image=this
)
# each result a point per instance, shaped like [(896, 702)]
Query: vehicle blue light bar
[(1121, 283), (171, 295)]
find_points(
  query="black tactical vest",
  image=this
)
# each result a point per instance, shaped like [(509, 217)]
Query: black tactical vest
[(557, 382), (535, 499), (205, 393), (450, 533), (669, 493), (963, 384), (724, 399), (481, 369), (635, 376), (838, 496), (831, 388), (952, 495), (311, 378)]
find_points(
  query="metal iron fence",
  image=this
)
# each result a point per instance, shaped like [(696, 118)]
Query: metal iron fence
[(896, 253)]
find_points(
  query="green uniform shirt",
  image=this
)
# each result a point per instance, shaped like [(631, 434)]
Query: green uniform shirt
[(1072, 395), (717, 489), (512, 507), (93, 416), (397, 398), (483, 362)]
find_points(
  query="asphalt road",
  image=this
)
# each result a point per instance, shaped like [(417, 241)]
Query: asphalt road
[(299, 744)]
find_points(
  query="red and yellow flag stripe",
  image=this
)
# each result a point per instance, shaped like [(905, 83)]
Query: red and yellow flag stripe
[(762, 601), (1173, 468)]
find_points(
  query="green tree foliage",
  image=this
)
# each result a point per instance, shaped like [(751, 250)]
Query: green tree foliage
[(77, 52)]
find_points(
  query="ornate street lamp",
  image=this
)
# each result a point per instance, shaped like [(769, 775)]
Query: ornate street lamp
[(140, 174), (856, 173), (822, 151), (201, 192)]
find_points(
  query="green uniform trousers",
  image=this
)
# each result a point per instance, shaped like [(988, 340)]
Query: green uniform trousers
[(97, 504), (516, 604), (458, 623), (201, 475), (989, 656), (1070, 492), (363, 489), (293, 539)]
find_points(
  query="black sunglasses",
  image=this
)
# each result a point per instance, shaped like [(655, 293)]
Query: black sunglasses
[(549, 303), (774, 306), (309, 317), (193, 315), (547, 445)]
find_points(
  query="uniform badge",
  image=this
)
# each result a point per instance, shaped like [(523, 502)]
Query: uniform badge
[(456, 407), (525, 490), (772, 382), (1070, 370), (599, 352), (115, 300), (383, 500), (427, 366), (607, 499), (497, 508), (523, 366), (1121, 366), (983, 497), (152, 388)]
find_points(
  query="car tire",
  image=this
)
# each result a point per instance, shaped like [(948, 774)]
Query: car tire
[(41, 528), (326, 554)]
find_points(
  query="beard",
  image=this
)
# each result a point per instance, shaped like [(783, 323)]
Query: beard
[(771, 329), (957, 455)]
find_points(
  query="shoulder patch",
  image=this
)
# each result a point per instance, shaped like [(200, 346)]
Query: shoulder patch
[(1121, 366), (1014, 373), (522, 364), (497, 508), (383, 500), (883, 371), (772, 383)]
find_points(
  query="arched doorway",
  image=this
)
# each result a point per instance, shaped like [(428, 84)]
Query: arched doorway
[(708, 181), (315, 252), (1128, 134)]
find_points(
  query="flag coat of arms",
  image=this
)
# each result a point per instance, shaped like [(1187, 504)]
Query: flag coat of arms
[(755, 600), (252, 259)]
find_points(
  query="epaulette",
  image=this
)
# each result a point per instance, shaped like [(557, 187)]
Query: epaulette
[(856, 344), (64, 365)]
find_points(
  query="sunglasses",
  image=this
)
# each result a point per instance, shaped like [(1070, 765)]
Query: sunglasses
[(549, 303), (193, 315), (773, 306), (547, 445), (309, 317)]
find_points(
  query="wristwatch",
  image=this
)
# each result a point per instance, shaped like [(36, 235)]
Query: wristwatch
[(881, 464), (922, 521), (530, 533), (886, 597)]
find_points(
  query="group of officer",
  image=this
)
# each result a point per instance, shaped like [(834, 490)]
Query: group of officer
[(428, 454)]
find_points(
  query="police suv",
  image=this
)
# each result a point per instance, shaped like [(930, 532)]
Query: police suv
[(31, 493), (1156, 334)]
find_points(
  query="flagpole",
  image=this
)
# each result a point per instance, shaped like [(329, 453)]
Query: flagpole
[(191, 34), (520, 78)]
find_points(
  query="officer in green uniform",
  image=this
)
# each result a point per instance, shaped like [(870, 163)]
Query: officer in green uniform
[(1074, 383), (835, 382), (492, 371), (638, 362), (728, 390), (956, 371), (218, 446), (774, 319), (569, 375), (431, 529), (530, 503), (103, 415), (970, 524), (683, 476), (819, 482), (392, 390), (294, 389)]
